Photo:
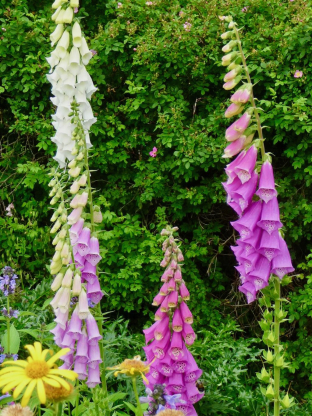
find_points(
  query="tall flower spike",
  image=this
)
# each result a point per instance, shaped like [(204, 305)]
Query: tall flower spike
[(165, 348), (261, 251)]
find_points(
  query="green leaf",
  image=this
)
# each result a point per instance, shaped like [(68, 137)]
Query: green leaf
[(14, 341), (31, 332)]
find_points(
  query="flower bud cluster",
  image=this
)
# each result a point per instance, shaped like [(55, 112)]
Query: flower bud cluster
[(171, 362), (8, 281), (69, 78)]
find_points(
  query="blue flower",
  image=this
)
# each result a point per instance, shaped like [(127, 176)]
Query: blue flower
[(172, 400), (2, 358)]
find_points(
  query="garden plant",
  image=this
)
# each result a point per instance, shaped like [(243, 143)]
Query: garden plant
[(113, 120)]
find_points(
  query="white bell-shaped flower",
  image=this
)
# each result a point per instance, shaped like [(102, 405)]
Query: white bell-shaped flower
[(55, 101), (74, 61), (60, 158), (87, 124), (62, 45), (80, 97), (58, 3), (66, 127), (69, 85), (65, 102), (88, 141), (74, 3), (82, 76), (56, 13), (68, 15), (60, 17), (53, 60), (90, 90), (53, 78), (77, 36), (62, 112), (56, 35), (64, 62), (86, 55)]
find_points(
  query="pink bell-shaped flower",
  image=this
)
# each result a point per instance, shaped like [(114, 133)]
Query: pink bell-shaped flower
[(270, 217), (93, 255), (266, 189), (281, 264)]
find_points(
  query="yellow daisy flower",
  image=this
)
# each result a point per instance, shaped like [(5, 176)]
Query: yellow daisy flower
[(33, 373), (132, 368)]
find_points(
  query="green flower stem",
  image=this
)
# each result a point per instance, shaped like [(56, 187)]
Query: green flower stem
[(58, 409), (77, 398), (277, 370), (139, 408), (8, 324), (259, 127)]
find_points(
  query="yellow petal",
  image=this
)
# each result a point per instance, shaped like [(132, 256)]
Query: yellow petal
[(51, 382), (41, 391), (30, 360), (63, 382), (11, 370), (45, 353), (32, 352), (11, 385), (144, 378), (71, 375), (20, 388), (38, 349), (21, 363), (55, 357), (28, 393), (10, 377)]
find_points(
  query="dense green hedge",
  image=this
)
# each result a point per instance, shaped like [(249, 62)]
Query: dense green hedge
[(160, 85)]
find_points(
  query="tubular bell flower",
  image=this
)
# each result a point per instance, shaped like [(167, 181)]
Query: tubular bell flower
[(33, 373)]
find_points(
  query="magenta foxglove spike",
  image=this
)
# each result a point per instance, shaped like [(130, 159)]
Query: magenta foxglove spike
[(93, 330), (83, 243), (68, 358), (158, 299), (234, 205), (249, 262), (79, 261), (186, 313), (167, 275), (61, 318), (162, 328), (75, 230), (249, 291), (176, 384), (186, 408), (164, 305), (75, 323), (177, 322), (184, 293), (164, 366), (160, 348), (93, 377), (93, 255), (82, 348), (234, 147), (270, 244), (270, 217), (58, 333), (238, 251), (258, 283), (159, 315), (177, 274), (238, 127), (188, 334), (266, 189), (251, 244), (243, 195), (148, 349), (89, 272), (242, 95), (231, 187), (176, 350), (94, 356), (74, 216), (193, 393), (281, 264), (246, 225), (68, 342), (94, 291), (172, 285), (81, 369), (164, 289), (180, 366), (246, 167)]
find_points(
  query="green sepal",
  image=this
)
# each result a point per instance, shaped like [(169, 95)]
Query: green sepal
[(268, 316), (269, 392), (268, 356), (264, 376), (287, 402), (265, 326)]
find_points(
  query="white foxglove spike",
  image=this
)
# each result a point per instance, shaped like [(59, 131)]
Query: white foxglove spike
[(74, 3), (56, 35), (76, 33), (68, 15), (74, 60), (60, 158), (53, 60), (53, 78), (80, 97), (82, 75), (86, 55), (62, 113), (55, 100), (62, 45), (87, 124), (58, 3), (65, 102)]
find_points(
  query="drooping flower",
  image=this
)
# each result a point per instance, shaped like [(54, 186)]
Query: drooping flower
[(27, 375)]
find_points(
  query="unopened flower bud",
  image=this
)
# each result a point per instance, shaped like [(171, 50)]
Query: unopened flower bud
[(97, 217), (56, 226), (57, 282), (65, 250), (55, 266), (286, 402), (264, 375), (269, 356), (67, 280), (279, 361), (233, 110), (56, 240), (227, 35), (269, 392), (80, 156), (165, 232), (232, 83), (57, 256), (52, 182), (74, 152), (54, 216), (82, 180), (229, 46), (59, 245), (233, 73), (72, 163), (63, 232), (74, 172), (77, 285), (64, 217), (74, 188)]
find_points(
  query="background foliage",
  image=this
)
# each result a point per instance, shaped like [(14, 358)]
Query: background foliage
[(160, 85)]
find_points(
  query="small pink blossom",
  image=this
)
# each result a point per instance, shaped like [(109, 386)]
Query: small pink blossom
[(3, 29), (222, 17), (149, 3), (119, 5), (153, 153), (134, 49), (9, 208), (181, 13), (94, 52), (298, 74), (187, 26), (76, 10), (244, 9)]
